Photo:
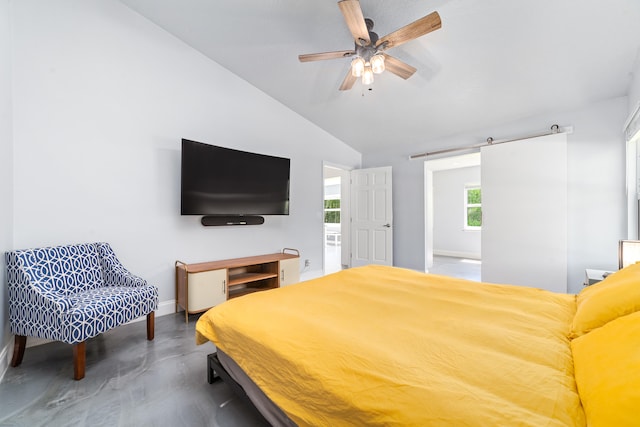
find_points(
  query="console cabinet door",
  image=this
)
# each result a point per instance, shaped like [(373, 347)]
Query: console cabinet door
[(207, 289), (289, 271)]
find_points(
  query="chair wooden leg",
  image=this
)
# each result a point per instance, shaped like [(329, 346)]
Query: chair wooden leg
[(150, 325), (20, 342), (79, 360)]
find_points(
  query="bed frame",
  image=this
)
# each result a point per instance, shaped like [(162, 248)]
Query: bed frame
[(244, 388), (215, 371)]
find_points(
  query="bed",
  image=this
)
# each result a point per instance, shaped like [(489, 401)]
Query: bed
[(388, 346)]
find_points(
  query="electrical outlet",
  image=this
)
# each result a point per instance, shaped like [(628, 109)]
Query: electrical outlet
[(307, 263)]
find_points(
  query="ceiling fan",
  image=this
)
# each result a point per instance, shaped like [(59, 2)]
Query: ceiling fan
[(369, 50)]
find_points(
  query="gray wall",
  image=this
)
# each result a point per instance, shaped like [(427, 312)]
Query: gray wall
[(596, 193), (101, 100), (634, 88), (6, 168)]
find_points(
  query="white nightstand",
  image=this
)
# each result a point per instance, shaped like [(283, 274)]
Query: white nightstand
[(594, 276)]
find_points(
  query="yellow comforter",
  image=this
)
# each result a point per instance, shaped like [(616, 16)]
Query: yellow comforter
[(386, 346)]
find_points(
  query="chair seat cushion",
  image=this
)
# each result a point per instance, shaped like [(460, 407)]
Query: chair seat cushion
[(97, 310)]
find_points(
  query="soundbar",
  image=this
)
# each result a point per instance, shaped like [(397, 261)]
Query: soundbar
[(217, 220)]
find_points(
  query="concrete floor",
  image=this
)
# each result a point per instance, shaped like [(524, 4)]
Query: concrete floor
[(129, 382), (457, 267), (134, 382), (332, 261)]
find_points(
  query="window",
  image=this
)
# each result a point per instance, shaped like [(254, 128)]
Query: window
[(472, 207), (332, 211)]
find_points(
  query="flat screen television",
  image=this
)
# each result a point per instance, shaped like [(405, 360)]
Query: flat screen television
[(223, 181)]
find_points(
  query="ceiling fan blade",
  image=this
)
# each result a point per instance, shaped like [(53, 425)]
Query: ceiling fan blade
[(398, 67), (325, 55), (411, 31), (355, 21), (348, 81)]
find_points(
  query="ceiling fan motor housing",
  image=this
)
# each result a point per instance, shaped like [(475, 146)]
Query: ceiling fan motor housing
[(366, 51)]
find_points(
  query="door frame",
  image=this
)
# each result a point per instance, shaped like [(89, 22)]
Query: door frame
[(345, 213), (431, 166), (372, 224)]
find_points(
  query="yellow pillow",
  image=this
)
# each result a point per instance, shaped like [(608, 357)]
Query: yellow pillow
[(607, 367), (615, 296)]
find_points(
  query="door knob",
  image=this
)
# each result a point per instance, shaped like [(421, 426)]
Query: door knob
[(387, 225)]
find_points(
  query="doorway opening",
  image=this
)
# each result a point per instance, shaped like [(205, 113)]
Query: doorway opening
[(335, 218), (453, 216)]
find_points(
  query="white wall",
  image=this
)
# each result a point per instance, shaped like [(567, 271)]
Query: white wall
[(596, 194), (634, 88), (633, 159), (449, 236), (6, 167), (102, 99)]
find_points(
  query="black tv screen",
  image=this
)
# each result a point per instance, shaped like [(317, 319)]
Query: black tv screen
[(223, 181)]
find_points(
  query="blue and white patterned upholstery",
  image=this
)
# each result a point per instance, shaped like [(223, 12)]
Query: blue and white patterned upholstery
[(72, 293)]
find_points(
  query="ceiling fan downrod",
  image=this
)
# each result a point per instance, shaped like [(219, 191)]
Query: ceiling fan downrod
[(368, 58)]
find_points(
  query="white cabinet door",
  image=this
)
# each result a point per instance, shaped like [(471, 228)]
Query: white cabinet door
[(289, 271), (371, 217), (207, 289)]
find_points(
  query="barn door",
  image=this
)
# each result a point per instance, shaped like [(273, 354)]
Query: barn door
[(524, 212)]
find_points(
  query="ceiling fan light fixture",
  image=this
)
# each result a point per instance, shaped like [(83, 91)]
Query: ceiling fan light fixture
[(357, 67), (367, 75), (368, 48), (377, 63)]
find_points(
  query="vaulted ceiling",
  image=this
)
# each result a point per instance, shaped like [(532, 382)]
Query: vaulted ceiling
[(492, 62)]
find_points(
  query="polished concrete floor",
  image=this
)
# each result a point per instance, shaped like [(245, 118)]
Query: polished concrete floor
[(332, 255), (129, 382), (134, 382), (457, 267)]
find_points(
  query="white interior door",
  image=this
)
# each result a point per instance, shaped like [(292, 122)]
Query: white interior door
[(524, 213), (371, 217)]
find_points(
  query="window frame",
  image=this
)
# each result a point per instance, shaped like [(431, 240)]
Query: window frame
[(468, 205), (326, 210)]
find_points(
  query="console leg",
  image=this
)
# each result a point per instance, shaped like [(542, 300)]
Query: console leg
[(79, 360), (20, 342)]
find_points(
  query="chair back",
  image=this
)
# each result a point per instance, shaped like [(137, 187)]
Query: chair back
[(67, 269)]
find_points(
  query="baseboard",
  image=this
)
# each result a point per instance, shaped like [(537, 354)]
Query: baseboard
[(5, 359), (164, 308), (33, 341), (308, 275), (457, 254), (7, 352)]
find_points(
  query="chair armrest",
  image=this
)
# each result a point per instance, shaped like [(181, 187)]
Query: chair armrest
[(114, 272), (120, 276)]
